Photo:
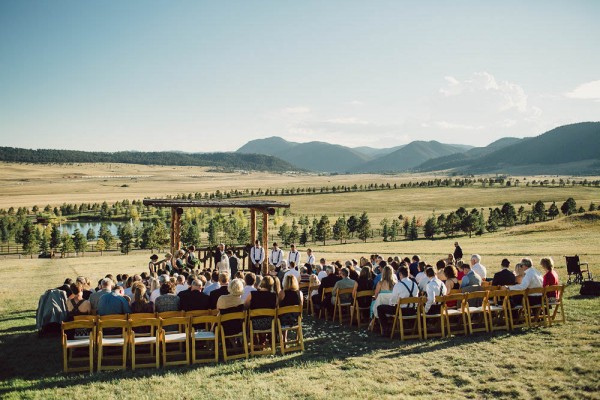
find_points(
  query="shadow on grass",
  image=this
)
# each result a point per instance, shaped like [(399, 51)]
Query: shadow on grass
[(36, 364)]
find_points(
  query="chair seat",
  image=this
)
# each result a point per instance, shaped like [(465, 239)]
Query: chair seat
[(496, 308), (454, 312), (204, 335), (78, 343), (85, 337), (345, 304), (432, 315), (175, 337), (113, 341), (516, 307), (476, 309), (289, 326), (144, 339), (553, 301)]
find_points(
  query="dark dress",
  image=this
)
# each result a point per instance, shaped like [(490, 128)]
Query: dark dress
[(262, 299), (232, 327), (290, 298), (364, 284)]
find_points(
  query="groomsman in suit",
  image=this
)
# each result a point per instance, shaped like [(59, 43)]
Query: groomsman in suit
[(276, 257), (311, 257), (257, 256), (294, 255)]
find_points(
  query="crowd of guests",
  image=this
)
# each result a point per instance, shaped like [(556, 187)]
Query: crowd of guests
[(391, 279)]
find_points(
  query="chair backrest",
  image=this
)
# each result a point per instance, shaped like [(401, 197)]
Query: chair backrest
[(170, 321), (151, 322), (304, 285), (415, 301), (112, 323), (531, 291), (491, 288), (235, 316), (458, 297), (262, 312), (343, 292), (204, 319), (112, 316), (81, 324), (476, 295), (84, 317), (169, 314), (197, 313), (326, 291), (135, 316), (486, 283), (289, 310), (499, 293), (365, 293), (556, 290), (573, 266)]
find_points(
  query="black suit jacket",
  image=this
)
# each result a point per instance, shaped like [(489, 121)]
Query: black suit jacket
[(193, 300), (504, 278), (218, 255), (328, 282), (458, 254), (215, 294)]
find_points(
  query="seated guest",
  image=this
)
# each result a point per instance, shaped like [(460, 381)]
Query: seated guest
[(214, 283), (222, 290), (292, 271), (264, 297), (257, 282), (470, 278), (378, 272), (193, 298), (321, 269), (519, 273), (162, 279), (250, 280), (404, 288), (384, 288), (551, 277), (421, 278), (504, 277), (314, 282), (76, 304), (230, 303), (352, 273), (181, 284), (440, 265), (290, 296), (477, 267), (66, 286), (451, 279), (168, 300), (304, 275), (344, 283), (532, 279), (365, 282), (413, 268), (106, 285), (85, 285), (450, 259), (113, 303), (140, 303), (327, 282), (460, 274), (435, 287)]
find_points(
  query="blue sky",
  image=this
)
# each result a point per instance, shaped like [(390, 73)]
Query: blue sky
[(209, 76)]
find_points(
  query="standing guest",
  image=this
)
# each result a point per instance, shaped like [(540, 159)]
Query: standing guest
[(168, 265), (179, 265), (191, 259), (344, 283), (106, 285), (113, 303), (76, 304), (531, 280), (294, 255), (222, 290), (276, 257), (310, 258), (413, 268), (140, 303), (214, 283), (168, 300), (193, 298), (504, 277), (550, 277), (234, 262), (470, 278), (435, 287), (257, 256), (404, 288), (249, 280), (477, 267), (219, 251), (229, 303), (458, 253)]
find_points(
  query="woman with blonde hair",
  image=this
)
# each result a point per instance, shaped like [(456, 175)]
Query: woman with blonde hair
[(290, 296), (231, 303), (550, 277), (519, 273), (140, 303), (314, 282), (383, 290)]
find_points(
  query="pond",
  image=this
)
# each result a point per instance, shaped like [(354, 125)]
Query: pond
[(95, 226)]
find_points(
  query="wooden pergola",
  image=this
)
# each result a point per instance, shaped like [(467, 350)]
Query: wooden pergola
[(266, 207)]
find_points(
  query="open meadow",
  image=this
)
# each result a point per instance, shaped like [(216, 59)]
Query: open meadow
[(551, 362)]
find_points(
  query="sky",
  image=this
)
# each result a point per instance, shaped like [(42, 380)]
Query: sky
[(205, 76)]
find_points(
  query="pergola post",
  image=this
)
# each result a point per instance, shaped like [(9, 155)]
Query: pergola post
[(175, 229), (265, 240), (252, 226)]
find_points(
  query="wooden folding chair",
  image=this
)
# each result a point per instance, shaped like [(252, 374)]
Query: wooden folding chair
[(305, 289), (168, 337), (148, 337), (196, 313), (537, 313), (476, 304), (205, 337), (498, 308), (400, 319), (457, 311), (356, 309), (298, 342), (555, 303), (310, 307), (338, 306), (69, 345), (236, 316), (323, 307), (259, 349), (112, 341), (438, 316), (518, 309)]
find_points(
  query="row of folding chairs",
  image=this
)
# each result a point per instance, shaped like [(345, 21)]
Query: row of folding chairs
[(175, 338)]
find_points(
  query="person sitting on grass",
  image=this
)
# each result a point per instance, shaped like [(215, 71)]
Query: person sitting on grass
[(113, 303), (551, 277), (435, 287), (168, 300)]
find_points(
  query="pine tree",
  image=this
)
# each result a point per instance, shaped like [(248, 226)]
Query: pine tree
[(90, 235), (55, 237), (323, 229), (569, 206), (79, 241), (67, 245), (340, 229), (126, 237), (413, 232), (364, 227), (101, 245), (28, 237), (430, 228), (304, 237)]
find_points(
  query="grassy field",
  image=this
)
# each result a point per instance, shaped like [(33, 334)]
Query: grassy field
[(555, 362)]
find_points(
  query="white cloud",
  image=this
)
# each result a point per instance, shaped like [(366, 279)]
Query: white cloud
[(295, 110), (451, 125), (588, 91)]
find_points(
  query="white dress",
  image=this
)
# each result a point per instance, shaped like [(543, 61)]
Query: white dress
[(223, 265)]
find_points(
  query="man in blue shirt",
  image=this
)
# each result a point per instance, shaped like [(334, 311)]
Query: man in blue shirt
[(113, 303)]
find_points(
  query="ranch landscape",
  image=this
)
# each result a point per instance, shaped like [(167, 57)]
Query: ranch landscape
[(339, 361)]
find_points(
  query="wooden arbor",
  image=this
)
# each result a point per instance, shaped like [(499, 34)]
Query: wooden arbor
[(266, 207)]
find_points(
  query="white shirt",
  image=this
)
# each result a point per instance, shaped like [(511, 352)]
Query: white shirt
[(532, 279), (295, 257), (401, 292), (435, 287), (422, 280), (322, 275), (181, 287), (311, 260), (294, 272), (257, 255), (154, 295), (210, 287), (276, 257), (480, 270), (247, 290)]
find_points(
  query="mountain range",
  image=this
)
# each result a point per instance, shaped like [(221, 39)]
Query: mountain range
[(568, 149)]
